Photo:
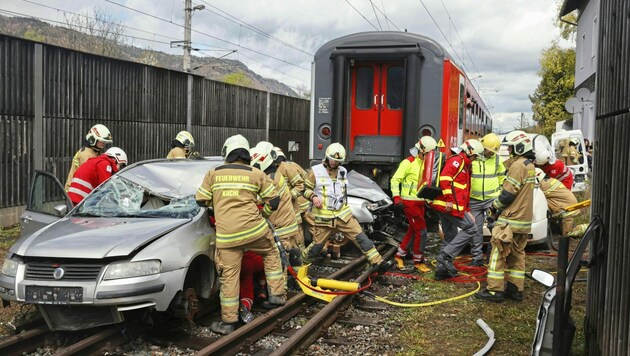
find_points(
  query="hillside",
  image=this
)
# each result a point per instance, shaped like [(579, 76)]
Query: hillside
[(116, 45)]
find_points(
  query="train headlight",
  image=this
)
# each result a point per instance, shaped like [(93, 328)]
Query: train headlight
[(426, 130), (325, 131)]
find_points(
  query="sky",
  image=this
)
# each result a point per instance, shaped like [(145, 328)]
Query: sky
[(497, 42)]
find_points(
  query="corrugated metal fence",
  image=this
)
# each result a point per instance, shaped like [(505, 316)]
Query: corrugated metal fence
[(607, 323), (51, 96)]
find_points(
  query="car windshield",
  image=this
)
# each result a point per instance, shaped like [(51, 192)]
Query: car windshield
[(121, 197)]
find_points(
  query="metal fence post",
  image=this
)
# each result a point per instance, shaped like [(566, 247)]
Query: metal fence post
[(39, 138)]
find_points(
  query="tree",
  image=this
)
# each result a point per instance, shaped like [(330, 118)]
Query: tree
[(523, 123), (238, 78), (557, 66), (108, 31)]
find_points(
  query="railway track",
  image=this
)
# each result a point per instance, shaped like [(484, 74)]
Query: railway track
[(107, 340)]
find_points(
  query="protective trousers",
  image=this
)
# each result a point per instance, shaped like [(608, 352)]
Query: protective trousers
[(351, 229), (454, 242), (417, 230), (228, 262), (513, 264), (478, 210)]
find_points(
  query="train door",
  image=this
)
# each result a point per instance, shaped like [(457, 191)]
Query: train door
[(377, 92)]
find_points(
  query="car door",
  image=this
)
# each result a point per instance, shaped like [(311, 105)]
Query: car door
[(47, 202)]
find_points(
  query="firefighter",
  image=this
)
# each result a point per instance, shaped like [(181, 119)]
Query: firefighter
[(404, 186), (295, 176), (485, 185), (182, 145), (326, 189), (554, 168), (558, 198), (514, 208), (283, 220), (95, 141), (94, 172), (232, 191), (452, 205)]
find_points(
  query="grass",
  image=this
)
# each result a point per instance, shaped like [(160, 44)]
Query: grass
[(8, 235), (451, 328)]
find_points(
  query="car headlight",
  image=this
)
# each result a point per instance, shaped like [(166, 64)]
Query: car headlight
[(9, 267), (132, 269)]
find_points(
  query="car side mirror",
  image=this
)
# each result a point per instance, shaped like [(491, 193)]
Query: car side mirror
[(542, 277), (61, 210)]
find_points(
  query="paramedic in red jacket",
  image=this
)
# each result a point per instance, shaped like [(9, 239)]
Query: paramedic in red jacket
[(553, 167), (94, 172), (452, 206)]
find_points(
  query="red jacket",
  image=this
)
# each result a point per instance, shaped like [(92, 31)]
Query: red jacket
[(89, 175), (559, 171), (455, 185)]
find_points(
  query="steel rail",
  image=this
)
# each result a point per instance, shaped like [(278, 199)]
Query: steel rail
[(308, 333), (234, 342), (24, 342)]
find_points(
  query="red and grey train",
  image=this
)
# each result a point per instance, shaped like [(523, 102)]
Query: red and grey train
[(378, 92)]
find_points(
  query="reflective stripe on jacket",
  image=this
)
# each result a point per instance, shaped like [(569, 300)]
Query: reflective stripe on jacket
[(519, 183), (330, 186), (487, 178), (455, 185), (89, 176), (283, 219), (232, 190), (404, 182)]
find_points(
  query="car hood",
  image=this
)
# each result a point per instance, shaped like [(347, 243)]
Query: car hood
[(94, 238)]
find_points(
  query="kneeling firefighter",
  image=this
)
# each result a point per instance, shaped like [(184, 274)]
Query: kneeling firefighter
[(326, 189)]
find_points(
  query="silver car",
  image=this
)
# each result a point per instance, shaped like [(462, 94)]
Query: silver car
[(138, 241)]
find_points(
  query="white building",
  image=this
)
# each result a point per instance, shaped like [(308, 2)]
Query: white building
[(585, 63)]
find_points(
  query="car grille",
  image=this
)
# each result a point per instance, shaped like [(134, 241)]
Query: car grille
[(72, 272)]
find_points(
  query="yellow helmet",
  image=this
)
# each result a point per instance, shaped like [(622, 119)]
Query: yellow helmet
[(491, 142), (336, 152)]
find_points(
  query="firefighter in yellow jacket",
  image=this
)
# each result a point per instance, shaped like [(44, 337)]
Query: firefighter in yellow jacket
[(485, 185), (326, 189), (232, 190), (404, 186), (284, 219), (558, 197), (514, 207), (295, 176), (95, 141), (182, 145)]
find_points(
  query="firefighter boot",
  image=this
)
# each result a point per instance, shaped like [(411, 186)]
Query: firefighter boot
[(512, 292), (447, 262), (274, 301), (492, 296), (382, 267), (221, 327), (421, 267), (442, 273), (399, 262)]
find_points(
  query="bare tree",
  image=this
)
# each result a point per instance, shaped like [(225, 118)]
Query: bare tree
[(523, 123), (108, 32)]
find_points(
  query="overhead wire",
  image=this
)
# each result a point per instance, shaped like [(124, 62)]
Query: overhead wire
[(237, 20), (387, 21), (375, 15), (209, 35), (359, 12)]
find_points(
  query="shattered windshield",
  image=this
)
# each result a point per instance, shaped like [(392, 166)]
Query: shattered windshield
[(120, 197)]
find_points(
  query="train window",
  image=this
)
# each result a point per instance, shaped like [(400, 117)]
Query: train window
[(461, 106), (365, 88), (394, 88)]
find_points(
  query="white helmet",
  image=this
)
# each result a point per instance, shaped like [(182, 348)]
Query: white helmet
[(336, 152), (473, 147), (98, 133), (119, 155), (186, 139), (426, 144), (520, 142), (233, 143), (540, 175), (542, 150), (263, 155), (279, 152)]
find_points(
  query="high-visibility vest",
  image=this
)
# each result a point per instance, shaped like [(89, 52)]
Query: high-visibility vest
[(404, 182), (487, 178), (332, 192)]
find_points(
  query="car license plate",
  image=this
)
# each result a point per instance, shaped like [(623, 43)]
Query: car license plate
[(54, 295)]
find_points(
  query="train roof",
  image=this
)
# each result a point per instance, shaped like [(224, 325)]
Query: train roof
[(380, 39)]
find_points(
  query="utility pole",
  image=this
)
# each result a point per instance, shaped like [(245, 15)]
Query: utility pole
[(187, 47)]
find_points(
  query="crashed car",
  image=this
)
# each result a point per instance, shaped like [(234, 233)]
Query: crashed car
[(139, 241)]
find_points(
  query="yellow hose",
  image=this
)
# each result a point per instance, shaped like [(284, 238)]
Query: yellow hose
[(428, 304)]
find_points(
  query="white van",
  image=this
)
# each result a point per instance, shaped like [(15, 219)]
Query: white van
[(560, 141)]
